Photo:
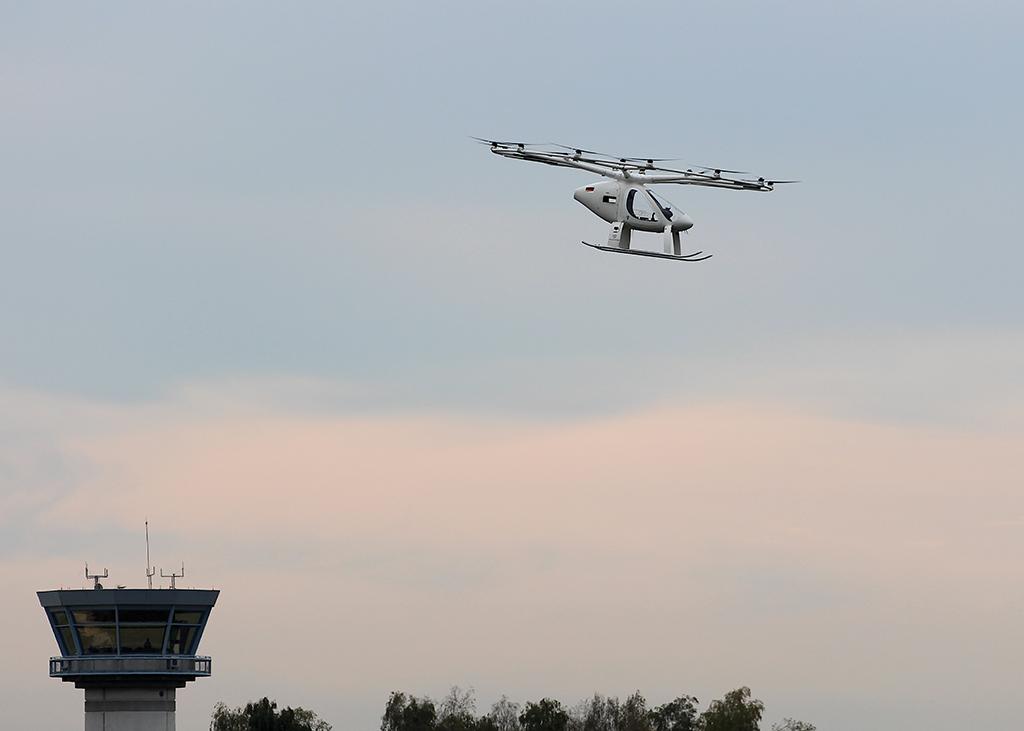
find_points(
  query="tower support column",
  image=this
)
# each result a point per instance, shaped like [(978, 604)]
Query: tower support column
[(129, 709)]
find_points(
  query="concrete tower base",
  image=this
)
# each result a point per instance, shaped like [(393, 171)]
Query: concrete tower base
[(129, 709)]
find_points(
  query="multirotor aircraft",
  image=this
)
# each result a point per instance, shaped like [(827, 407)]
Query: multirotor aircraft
[(624, 200)]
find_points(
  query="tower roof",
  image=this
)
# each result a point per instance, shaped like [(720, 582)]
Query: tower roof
[(110, 597)]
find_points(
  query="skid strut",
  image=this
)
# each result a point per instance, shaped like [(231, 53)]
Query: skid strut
[(619, 243), (695, 256)]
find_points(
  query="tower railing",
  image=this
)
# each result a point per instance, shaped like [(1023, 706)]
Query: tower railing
[(193, 666)]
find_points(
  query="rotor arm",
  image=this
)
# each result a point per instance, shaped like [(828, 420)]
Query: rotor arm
[(580, 164), (708, 181), (628, 168), (560, 160)]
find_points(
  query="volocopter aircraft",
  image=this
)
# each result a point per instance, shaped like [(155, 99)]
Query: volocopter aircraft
[(624, 200)]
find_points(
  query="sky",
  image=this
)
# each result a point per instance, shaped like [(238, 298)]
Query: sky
[(259, 287)]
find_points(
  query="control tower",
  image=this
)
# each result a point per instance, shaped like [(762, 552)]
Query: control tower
[(129, 650)]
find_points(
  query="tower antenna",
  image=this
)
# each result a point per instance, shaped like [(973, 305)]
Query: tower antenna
[(172, 576), (96, 577), (150, 571)]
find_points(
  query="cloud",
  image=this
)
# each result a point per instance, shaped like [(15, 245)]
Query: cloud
[(678, 546)]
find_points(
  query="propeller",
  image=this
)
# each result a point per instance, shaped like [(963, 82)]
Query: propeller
[(770, 183), (719, 171), (581, 151), (648, 160), (503, 143)]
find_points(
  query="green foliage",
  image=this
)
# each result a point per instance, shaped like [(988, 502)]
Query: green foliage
[(504, 716), (408, 713), (457, 712), (633, 714), (460, 722), (486, 723), (263, 715), (677, 715), (226, 719), (545, 715), (736, 712), (791, 724), (594, 715), (392, 718), (598, 714)]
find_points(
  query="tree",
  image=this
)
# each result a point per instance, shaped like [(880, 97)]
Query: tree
[(676, 715), (262, 715), (226, 719), (485, 723), (633, 715), (408, 713), (791, 724), (545, 715), (736, 712), (300, 718), (599, 714), (457, 711), (392, 718), (504, 715)]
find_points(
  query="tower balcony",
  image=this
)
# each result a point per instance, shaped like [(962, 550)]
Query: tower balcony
[(185, 668)]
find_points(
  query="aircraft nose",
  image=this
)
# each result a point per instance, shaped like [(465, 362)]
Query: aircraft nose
[(685, 223), (584, 193)]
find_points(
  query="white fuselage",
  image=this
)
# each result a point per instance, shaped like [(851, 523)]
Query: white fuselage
[(632, 203)]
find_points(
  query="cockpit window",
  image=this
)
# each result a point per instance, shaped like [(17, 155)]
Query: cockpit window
[(639, 207), (663, 204)]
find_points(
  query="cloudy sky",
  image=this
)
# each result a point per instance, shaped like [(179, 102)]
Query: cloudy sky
[(257, 285)]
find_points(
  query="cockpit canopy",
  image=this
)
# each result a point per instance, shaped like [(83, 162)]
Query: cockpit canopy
[(640, 204)]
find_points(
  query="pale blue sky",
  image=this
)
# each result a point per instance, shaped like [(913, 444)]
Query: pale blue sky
[(197, 193), (208, 198)]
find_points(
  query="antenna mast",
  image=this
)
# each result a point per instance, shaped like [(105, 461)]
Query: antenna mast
[(150, 571), (96, 577), (172, 576)]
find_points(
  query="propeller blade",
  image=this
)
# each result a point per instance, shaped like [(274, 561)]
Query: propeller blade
[(648, 160), (581, 151), (780, 182), (504, 143), (722, 170)]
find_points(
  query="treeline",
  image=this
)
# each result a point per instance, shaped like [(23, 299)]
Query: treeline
[(262, 715), (737, 711)]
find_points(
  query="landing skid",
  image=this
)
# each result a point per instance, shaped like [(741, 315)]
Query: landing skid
[(695, 256)]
